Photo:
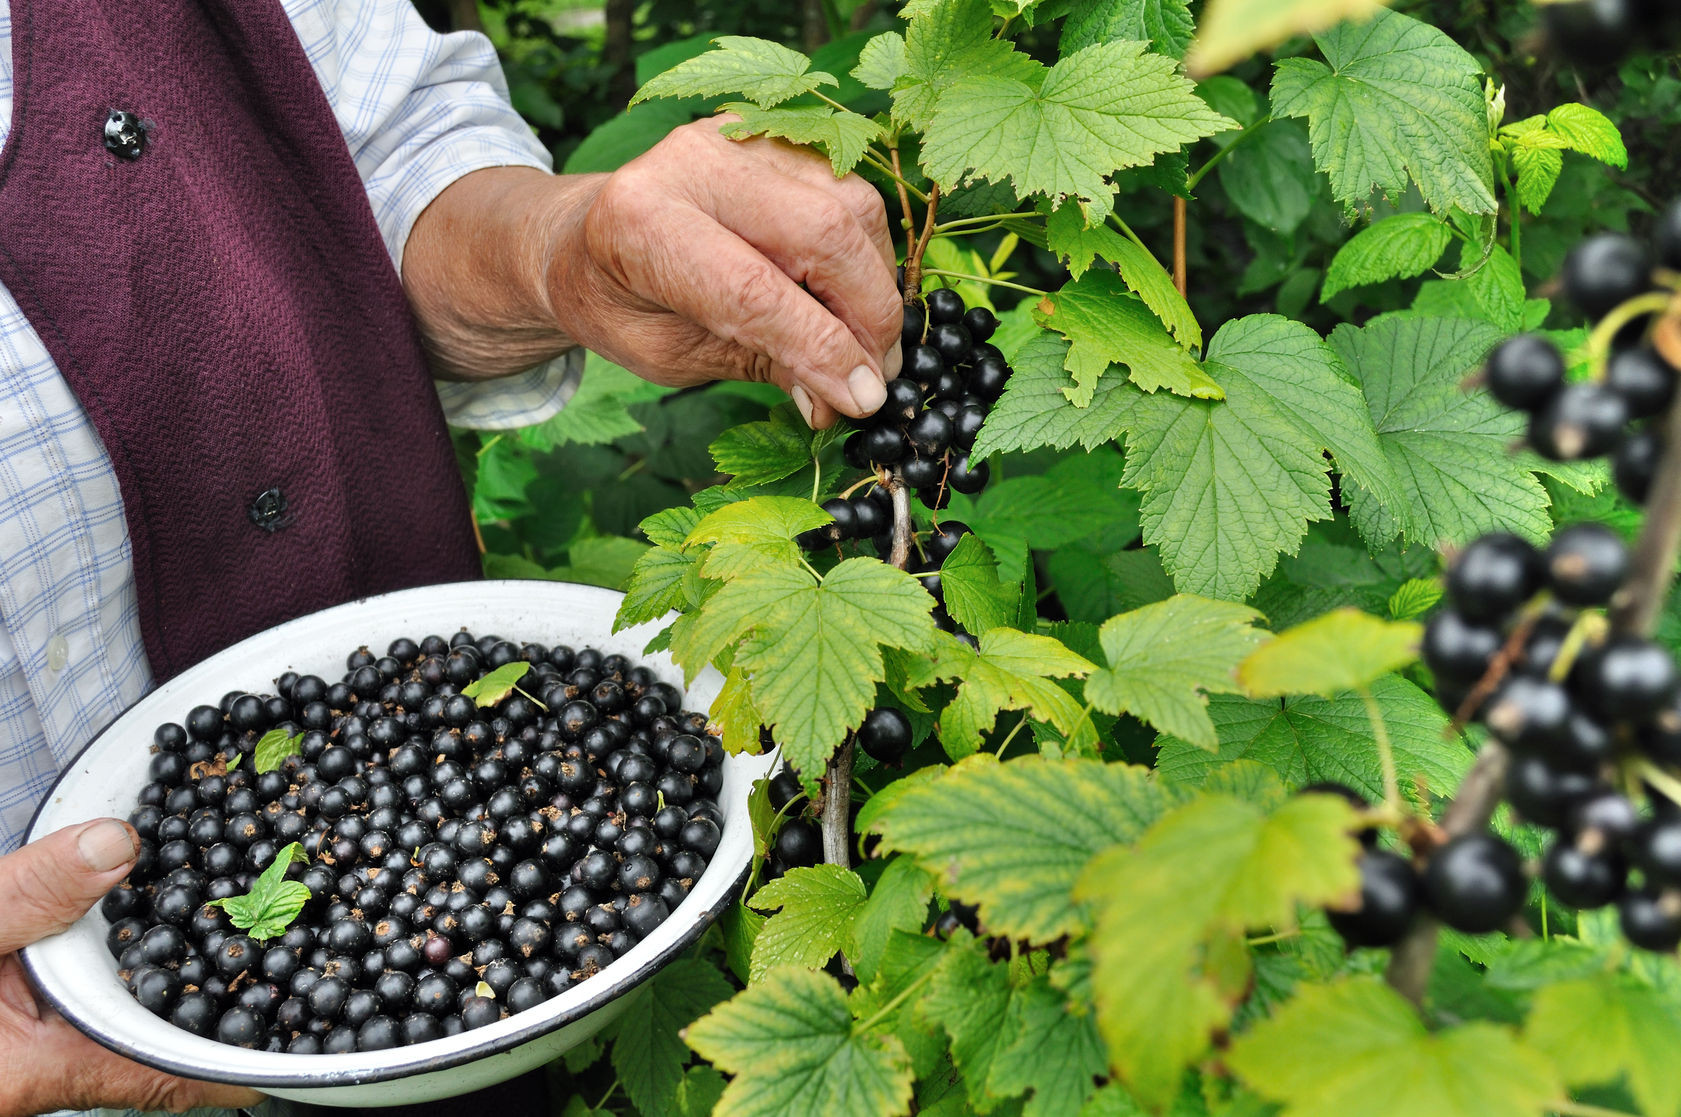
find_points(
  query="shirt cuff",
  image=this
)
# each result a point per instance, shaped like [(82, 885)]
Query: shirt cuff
[(508, 402)]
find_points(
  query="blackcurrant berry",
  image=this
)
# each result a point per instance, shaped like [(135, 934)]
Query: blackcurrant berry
[(987, 378), (1586, 563), (944, 305), (1656, 851), (916, 320), (1457, 650), (1581, 879), (920, 473), (980, 322), (884, 445), (1493, 576), (1644, 380), (943, 540), (904, 400), (1582, 421), (1635, 464), (1529, 715), (885, 735), (1475, 883), (929, 434), (967, 477), (241, 1027), (1651, 920), (1543, 794), (1605, 271), (1626, 678), (951, 340), (923, 365), (799, 843), (1389, 897), (1524, 372)]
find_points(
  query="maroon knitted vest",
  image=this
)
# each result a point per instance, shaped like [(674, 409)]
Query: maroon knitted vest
[(183, 225)]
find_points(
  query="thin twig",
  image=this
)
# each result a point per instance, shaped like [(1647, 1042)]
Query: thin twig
[(913, 258), (1181, 266), (904, 198)]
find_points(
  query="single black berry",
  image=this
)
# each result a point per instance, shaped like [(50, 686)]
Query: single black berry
[(929, 433), (1644, 380), (1582, 879), (1635, 464), (1475, 883), (1389, 897), (1626, 678), (1651, 919), (1586, 563), (1604, 271), (1525, 372), (1493, 576), (1528, 714), (885, 735), (1583, 420), (1457, 650), (944, 305)]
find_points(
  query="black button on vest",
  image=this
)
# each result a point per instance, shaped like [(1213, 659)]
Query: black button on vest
[(125, 134), (268, 511)]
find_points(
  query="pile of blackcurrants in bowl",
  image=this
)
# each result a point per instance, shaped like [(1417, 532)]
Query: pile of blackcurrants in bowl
[(455, 831)]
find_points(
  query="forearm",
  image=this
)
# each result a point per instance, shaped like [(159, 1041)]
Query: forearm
[(477, 265)]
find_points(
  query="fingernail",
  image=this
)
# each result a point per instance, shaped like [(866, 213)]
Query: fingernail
[(868, 392), (106, 845), (802, 400), (894, 362)]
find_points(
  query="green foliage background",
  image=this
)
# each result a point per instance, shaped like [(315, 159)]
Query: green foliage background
[(1132, 966)]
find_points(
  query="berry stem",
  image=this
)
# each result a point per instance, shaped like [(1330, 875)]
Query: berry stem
[(1659, 780), (1606, 331), (986, 279), (913, 257), (904, 198)]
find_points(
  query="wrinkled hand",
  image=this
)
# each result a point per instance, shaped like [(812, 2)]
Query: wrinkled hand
[(689, 263), (46, 1064)]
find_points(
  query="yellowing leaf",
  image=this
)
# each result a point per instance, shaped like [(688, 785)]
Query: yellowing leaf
[(1013, 837), (1600, 1028), (1010, 670), (1372, 1057), (1166, 974), (1232, 30), (749, 533), (1343, 650)]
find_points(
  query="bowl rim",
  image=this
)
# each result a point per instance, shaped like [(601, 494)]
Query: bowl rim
[(353, 1076)]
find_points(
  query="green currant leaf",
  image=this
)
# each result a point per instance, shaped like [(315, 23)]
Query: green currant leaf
[(1165, 24), (1010, 670), (273, 902), (790, 1042), (750, 533), (1105, 324), (945, 42), (1589, 131), (973, 593), (1415, 597), (814, 911), (1270, 178), (698, 1093), (1230, 485), (497, 684), (1077, 498), (1169, 959), (1013, 837), (1033, 411), (1165, 659), (1068, 235), (670, 528), (1064, 131), (1395, 100), (1373, 1057), (1048, 1048), (599, 412), (735, 716), (1397, 247), (898, 903), (272, 750), (764, 72), (647, 1052), (843, 136), (1308, 740), (882, 61), (758, 453), (1449, 449), (1342, 650), (658, 584)]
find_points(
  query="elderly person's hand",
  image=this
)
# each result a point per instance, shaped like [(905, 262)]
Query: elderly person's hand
[(46, 1064), (704, 259)]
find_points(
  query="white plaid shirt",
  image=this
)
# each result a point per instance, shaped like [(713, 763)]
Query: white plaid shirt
[(418, 110)]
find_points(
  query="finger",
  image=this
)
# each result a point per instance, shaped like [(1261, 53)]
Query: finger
[(49, 884), (816, 241), (784, 335), (88, 1076)]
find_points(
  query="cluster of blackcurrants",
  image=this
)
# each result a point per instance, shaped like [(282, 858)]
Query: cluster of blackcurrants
[(1590, 419), (464, 862), (1570, 707), (1598, 32)]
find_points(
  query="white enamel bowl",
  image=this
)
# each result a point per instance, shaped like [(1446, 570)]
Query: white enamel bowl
[(76, 974)]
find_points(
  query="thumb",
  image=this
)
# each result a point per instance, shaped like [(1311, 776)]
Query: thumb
[(48, 885)]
